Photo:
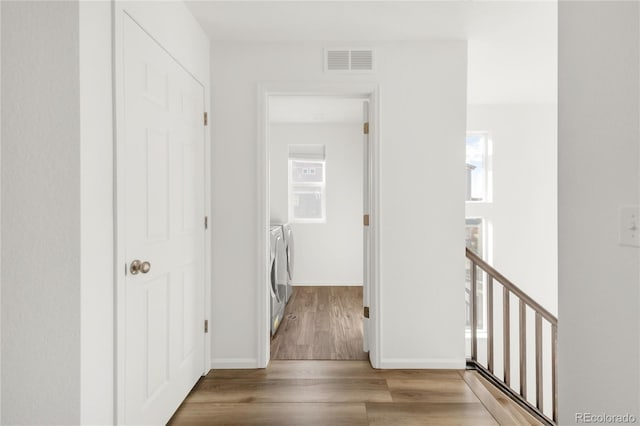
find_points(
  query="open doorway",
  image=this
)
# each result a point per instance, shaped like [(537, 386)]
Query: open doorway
[(318, 193)]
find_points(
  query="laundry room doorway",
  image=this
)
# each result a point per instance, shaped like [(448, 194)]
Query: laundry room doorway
[(318, 163)]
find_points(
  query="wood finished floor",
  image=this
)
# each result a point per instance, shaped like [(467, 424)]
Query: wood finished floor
[(345, 393), (321, 322)]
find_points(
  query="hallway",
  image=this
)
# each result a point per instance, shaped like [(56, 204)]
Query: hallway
[(345, 393)]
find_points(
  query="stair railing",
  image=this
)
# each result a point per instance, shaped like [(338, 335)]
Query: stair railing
[(541, 314)]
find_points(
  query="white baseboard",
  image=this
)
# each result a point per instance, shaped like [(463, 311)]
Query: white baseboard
[(325, 283), (424, 364), (233, 363)]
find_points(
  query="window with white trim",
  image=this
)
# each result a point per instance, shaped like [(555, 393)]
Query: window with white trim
[(478, 167), (307, 184), (475, 231), (479, 214)]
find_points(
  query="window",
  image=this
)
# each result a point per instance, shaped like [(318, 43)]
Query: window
[(307, 184), (478, 184), (479, 214), (475, 235), (475, 241)]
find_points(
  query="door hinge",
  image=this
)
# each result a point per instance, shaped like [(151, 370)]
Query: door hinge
[(206, 326), (206, 222), (365, 128), (365, 220), (366, 312), (206, 119)]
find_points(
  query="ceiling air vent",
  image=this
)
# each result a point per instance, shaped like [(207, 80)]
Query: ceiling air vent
[(349, 60), (338, 60)]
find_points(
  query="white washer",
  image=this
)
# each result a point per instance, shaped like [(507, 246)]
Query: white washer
[(288, 244), (277, 277)]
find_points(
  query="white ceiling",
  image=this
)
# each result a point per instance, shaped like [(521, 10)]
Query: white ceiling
[(512, 44), (314, 109)]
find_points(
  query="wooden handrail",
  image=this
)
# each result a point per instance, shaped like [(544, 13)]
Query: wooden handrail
[(511, 286), (525, 300)]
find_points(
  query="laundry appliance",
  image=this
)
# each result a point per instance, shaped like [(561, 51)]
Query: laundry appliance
[(287, 232), (278, 277)]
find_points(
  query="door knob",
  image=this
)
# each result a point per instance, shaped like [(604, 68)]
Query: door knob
[(138, 266), (134, 268)]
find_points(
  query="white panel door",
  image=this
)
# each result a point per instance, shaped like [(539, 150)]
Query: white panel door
[(164, 212), (366, 209)]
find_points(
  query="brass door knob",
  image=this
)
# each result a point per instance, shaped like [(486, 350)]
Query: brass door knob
[(134, 268), (138, 266)]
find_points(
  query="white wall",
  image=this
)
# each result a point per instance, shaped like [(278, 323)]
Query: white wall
[(598, 148), (40, 213), (57, 201), (325, 253), (96, 214), (422, 112), (524, 209), (0, 211)]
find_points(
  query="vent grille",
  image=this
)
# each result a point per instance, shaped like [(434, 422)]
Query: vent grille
[(338, 60), (362, 60), (345, 60)]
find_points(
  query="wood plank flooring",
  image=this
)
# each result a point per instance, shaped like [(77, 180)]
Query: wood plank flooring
[(501, 406), (344, 393), (321, 322)]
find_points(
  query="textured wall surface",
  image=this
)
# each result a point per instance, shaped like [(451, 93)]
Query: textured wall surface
[(40, 213), (598, 148)]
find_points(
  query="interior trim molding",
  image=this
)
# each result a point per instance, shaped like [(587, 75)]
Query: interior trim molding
[(424, 363), (366, 90)]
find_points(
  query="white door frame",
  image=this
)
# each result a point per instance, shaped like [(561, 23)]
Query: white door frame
[(265, 90), (119, 211)]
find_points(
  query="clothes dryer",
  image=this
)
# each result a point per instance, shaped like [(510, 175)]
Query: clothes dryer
[(277, 277), (287, 232)]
